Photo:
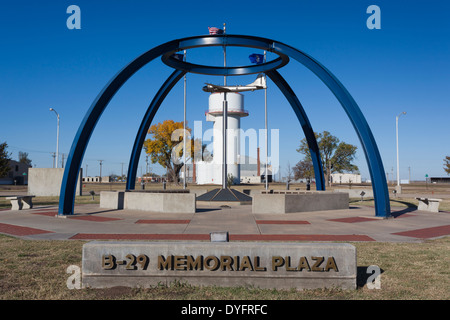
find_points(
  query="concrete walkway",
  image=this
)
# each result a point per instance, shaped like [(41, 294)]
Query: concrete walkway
[(354, 224)]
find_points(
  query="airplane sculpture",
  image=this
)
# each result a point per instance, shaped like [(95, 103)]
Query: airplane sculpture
[(259, 83)]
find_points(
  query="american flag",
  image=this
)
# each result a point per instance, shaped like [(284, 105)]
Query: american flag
[(214, 30)]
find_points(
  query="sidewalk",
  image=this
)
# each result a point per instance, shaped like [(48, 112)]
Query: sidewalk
[(354, 224)]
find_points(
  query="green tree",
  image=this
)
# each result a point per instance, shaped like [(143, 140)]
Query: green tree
[(23, 158), (447, 164), (4, 159), (303, 170), (336, 156)]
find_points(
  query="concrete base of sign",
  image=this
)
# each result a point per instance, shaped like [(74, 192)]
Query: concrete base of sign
[(269, 265), (160, 202), (357, 192), (298, 201), (112, 199), (43, 182), (157, 201)]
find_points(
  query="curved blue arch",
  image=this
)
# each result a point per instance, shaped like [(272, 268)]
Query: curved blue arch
[(284, 87), (76, 154), (376, 169), (145, 124), (373, 157)]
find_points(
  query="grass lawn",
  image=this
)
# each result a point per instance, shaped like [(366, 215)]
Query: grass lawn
[(36, 270)]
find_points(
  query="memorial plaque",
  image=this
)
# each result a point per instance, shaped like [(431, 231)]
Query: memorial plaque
[(265, 265)]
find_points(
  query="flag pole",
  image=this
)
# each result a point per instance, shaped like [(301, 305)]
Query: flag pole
[(224, 57), (267, 134), (224, 122), (184, 128)]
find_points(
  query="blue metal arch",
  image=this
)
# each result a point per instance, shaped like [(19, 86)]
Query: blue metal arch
[(285, 89), (373, 157), (276, 77), (67, 195), (145, 124)]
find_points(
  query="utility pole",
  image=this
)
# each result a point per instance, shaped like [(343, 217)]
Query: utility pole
[(53, 155), (101, 162), (409, 174)]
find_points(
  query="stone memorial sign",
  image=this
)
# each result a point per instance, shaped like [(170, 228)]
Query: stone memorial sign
[(265, 265)]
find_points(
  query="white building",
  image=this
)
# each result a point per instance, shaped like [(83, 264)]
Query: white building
[(211, 172), (337, 178)]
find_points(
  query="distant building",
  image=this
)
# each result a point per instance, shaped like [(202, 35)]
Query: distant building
[(251, 171), (96, 179), (338, 178), (17, 175), (440, 179)]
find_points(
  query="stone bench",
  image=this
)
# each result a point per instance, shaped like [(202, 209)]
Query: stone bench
[(21, 202), (429, 204)]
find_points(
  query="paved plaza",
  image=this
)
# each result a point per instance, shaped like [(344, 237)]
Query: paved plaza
[(358, 223)]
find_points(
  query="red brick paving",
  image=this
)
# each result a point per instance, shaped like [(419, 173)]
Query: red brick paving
[(20, 231), (46, 213), (172, 221), (426, 232), (281, 222), (300, 237), (134, 236), (234, 237), (352, 219)]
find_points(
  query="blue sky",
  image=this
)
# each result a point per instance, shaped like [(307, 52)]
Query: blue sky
[(404, 66)]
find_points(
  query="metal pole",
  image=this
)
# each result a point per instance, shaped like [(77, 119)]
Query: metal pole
[(396, 139), (224, 147), (396, 136), (57, 136), (184, 129), (224, 122), (267, 133), (224, 57)]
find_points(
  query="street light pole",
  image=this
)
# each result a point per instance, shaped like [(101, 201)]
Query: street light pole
[(57, 136), (398, 188)]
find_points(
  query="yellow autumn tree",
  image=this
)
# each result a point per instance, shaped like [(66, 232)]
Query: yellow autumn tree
[(163, 146)]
